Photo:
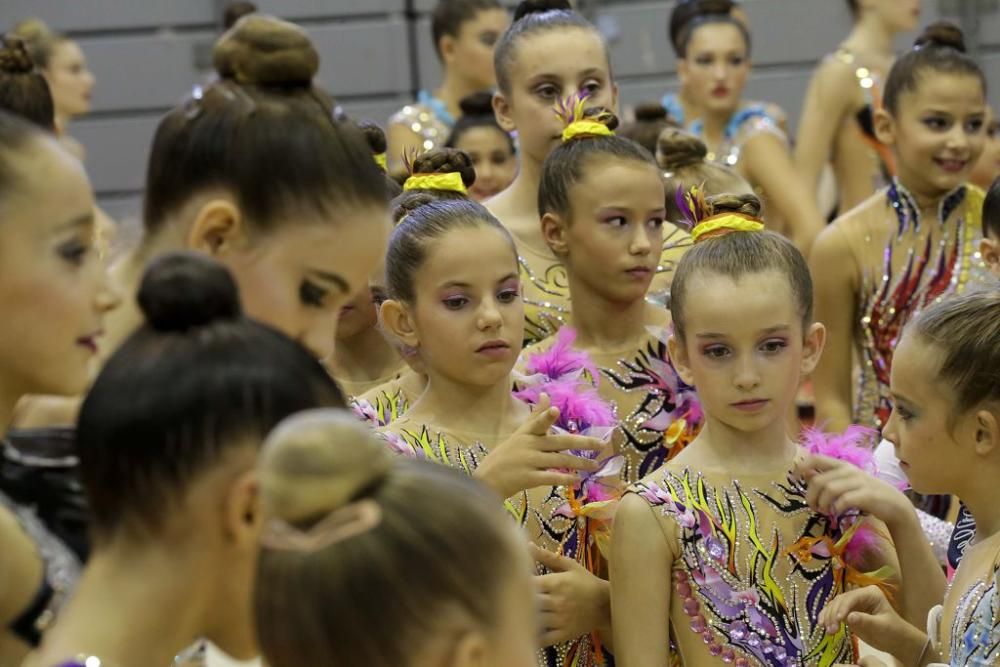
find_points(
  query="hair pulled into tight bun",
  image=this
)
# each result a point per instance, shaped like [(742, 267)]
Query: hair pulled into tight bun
[(446, 161), (941, 34), (748, 205), (266, 51), (529, 7), (185, 290), (677, 150)]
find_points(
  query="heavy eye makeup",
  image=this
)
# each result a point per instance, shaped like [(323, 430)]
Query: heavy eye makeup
[(312, 294)]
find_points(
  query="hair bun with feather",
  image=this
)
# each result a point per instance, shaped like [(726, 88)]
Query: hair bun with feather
[(445, 161), (942, 34), (748, 205), (266, 51), (677, 150), (477, 104), (528, 7), (14, 56)]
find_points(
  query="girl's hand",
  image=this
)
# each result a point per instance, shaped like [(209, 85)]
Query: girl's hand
[(868, 614), (533, 456), (836, 486), (573, 602)]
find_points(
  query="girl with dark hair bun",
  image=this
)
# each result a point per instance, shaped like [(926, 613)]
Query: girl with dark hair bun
[(491, 148), (846, 89), (170, 473), (713, 49), (465, 33), (23, 89), (55, 294)]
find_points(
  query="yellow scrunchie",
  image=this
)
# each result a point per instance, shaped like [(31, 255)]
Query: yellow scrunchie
[(381, 161), (587, 128), (728, 221), (451, 181)]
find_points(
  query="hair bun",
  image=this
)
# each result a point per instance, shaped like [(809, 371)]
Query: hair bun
[(409, 202), (374, 135), (677, 149), (942, 34), (32, 29), (318, 461), (186, 290), (732, 203), (14, 57), (650, 112), (446, 161), (477, 104), (528, 7), (266, 51), (602, 115)]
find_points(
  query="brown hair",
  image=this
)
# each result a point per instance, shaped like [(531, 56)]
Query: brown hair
[(236, 10), (683, 159), (428, 544), (991, 211), (264, 132), (566, 164), (689, 15), (531, 17), (23, 89), (449, 16), (650, 120), (965, 328), (939, 48), (40, 40), (738, 254)]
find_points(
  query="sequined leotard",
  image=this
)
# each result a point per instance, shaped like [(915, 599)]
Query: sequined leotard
[(428, 117)]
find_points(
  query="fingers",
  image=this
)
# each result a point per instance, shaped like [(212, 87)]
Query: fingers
[(861, 602), (552, 562), (541, 421), (567, 461), (812, 465), (559, 443)]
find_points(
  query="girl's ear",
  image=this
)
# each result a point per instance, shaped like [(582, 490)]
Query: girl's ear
[(679, 358), (554, 233), (217, 229), (987, 432), (812, 348), (885, 127), (398, 320), (502, 111)]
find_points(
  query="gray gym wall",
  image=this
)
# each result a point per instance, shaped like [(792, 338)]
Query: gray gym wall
[(147, 54)]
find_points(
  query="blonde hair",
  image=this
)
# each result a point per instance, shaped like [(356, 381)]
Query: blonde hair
[(40, 40)]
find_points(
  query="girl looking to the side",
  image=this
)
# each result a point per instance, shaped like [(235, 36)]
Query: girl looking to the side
[(454, 296), (945, 426), (170, 473), (603, 217), (716, 556), (911, 243), (345, 525)]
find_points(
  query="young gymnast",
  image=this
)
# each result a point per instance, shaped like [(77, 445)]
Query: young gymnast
[(549, 54), (945, 426), (454, 296), (913, 242), (989, 246), (987, 168), (345, 526), (716, 557), (837, 125), (465, 33), (603, 217), (169, 473), (651, 119), (491, 148), (23, 90)]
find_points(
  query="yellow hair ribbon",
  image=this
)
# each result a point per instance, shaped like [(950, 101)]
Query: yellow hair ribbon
[(451, 181), (736, 222), (381, 161), (585, 128)]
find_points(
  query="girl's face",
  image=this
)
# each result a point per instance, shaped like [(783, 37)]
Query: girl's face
[(471, 52), (70, 80), (548, 67), (612, 241), (938, 132), (987, 168), (744, 348), (359, 316), (932, 442), (300, 277), (715, 69), (896, 15), (53, 286), (467, 318), (492, 156)]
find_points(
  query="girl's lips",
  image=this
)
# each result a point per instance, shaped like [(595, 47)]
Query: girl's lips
[(751, 406), (951, 166), (89, 342)]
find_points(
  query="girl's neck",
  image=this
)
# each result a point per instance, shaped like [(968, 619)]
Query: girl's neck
[(364, 357), (61, 121), (517, 206), (452, 90), (606, 325), (929, 203), (749, 452), (714, 125), (871, 37), (981, 500), (151, 592), (487, 414)]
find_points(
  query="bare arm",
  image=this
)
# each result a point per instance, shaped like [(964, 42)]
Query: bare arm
[(826, 104), (834, 281), (641, 561), (769, 165), (21, 573)]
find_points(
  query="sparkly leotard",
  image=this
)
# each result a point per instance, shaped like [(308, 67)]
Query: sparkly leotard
[(753, 567), (386, 403), (428, 117), (545, 285), (913, 274), (869, 82)]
